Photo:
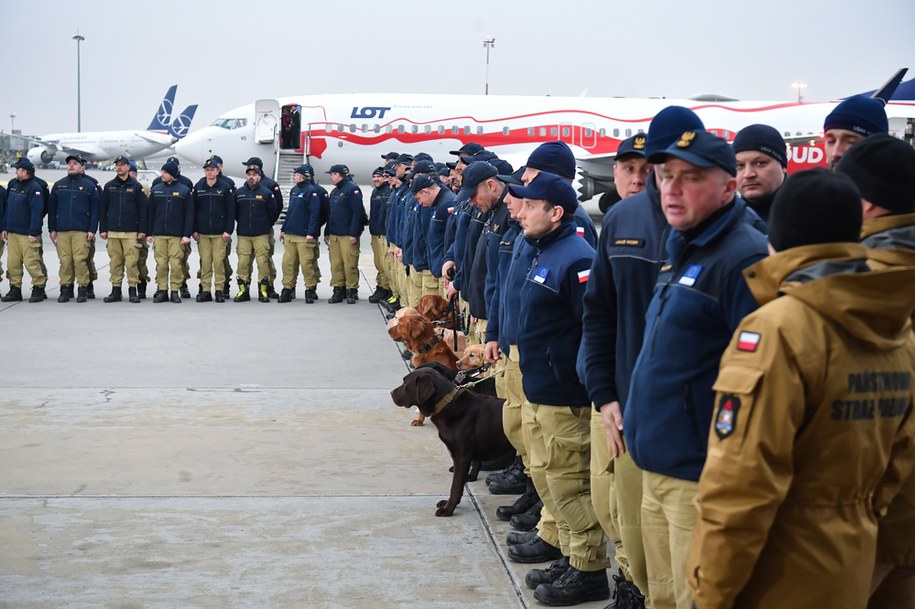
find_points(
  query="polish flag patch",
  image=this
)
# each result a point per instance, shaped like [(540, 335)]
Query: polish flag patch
[(580, 230), (748, 341), (583, 275)]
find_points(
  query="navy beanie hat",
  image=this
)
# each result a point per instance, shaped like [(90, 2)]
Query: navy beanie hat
[(883, 169), (815, 206), (859, 113), (762, 138), (171, 168), (553, 157), (668, 125)]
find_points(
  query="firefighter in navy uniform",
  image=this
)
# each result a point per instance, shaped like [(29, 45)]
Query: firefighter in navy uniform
[(345, 222), (21, 224), (171, 222), (142, 245), (255, 213), (377, 220), (123, 222), (274, 188), (231, 184), (185, 248), (214, 221), (73, 211), (299, 234), (90, 261)]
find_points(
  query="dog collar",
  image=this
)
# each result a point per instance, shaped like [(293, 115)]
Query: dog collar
[(443, 402), (429, 345)]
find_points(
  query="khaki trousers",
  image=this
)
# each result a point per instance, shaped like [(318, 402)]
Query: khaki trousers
[(380, 253), (512, 409), (602, 481), (212, 250), (668, 519), (90, 262), (73, 252), (253, 248), (421, 284), (124, 251), (390, 263), (560, 453), (627, 488), (185, 267), (271, 249), (168, 253), (24, 253), (142, 257), (344, 262), (299, 254), (228, 265)]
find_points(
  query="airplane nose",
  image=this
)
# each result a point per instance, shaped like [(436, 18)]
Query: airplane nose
[(193, 147)]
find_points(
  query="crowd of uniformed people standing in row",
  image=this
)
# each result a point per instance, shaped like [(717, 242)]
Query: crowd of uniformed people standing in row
[(720, 384)]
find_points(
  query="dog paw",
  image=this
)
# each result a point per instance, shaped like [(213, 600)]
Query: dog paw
[(444, 510), (416, 423)]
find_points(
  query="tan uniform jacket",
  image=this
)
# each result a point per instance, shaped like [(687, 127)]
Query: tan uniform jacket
[(812, 434)]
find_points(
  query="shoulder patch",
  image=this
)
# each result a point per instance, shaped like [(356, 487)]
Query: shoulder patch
[(584, 275), (541, 275), (748, 341), (628, 242), (726, 418), (691, 274)]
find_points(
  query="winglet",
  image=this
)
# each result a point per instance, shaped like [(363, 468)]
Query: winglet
[(885, 92), (163, 115), (182, 123)]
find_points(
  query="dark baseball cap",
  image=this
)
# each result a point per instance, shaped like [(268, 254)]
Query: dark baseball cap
[(78, 159), (474, 175), (122, 159), (632, 146), (702, 149), (210, 164), (254, 161), (422, 181), (549, 187), (513, 178), (173, 159), (216, 159), (423, 167), (470, 148), (24, 163), (404, 159), (341, 169), (391, 156)]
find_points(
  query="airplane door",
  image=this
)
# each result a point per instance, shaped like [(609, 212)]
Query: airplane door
[(588, 136), (266, 120)]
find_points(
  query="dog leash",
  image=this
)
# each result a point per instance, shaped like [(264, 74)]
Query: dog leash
[(461, 376)]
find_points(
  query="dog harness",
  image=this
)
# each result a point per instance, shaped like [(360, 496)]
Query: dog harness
[(443, 402)]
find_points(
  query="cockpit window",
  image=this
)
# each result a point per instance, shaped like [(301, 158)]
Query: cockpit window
[(230, 123)]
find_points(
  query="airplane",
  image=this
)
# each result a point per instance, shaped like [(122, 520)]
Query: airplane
[(357, 129), (97, 146)]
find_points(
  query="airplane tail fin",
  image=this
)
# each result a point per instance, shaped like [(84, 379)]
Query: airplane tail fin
[(182, 123), (885, 93), (163, 116)]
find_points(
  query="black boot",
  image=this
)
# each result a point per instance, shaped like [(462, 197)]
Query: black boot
[(536, 550), (338, 296), (160, 296), (14, 295), (244, 291), (626, 594), (226, 290), (574, 587), (263, 294), (132, 295), (115, 295), (185, 293), (90, 291), (535, 577), (311, 296), (285, 295), (38, 294), (271, 292), (379, 294), (141, 290), (512, 482), (514, 538), (352, 295), (66, 293), (528, 520), (205, 297), (512, 468), (521, 505), (220, 297), (82, 294), (176, 297)]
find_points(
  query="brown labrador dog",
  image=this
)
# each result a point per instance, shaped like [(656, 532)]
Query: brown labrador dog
[(468, 423), (418, 334), (472, 358), (436, 309)]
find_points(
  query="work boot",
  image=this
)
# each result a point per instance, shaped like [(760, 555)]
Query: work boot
[(66, 293), (538, 550), (132, 295), (185, 293), (141, 290), (271, 293), (160, 296), (352, 295), (379, 294), (244, 293), (285, 295), (38, 294), (204, 297), (528, 520), (226, 290), (512, 482), (311, 295), (176, 297), (626, 594), (337, 296), (115, 295), (574, 587), (219, 296), (521, 505), (263, 294), (391, 304), (515, 466), (14, 295), (535, 577), (515, 537), (90, 291), (82, 294)]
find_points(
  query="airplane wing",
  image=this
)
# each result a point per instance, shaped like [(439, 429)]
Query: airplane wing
[(55, 147), (155, 138)]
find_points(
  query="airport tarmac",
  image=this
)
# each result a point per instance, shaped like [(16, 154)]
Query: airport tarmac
[(237, 455)]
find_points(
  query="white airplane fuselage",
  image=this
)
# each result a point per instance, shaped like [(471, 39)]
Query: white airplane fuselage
[(100, 145)]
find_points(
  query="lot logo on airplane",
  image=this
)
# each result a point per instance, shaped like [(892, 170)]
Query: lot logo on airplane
[(165, 111), (369, 112), (181, 125)]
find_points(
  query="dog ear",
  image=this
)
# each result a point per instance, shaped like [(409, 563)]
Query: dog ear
[(425, 388), (417, 327)]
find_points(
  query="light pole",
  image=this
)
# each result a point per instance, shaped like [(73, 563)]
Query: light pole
[(79, 123), (12, 118), (800, 86), (488, 42)]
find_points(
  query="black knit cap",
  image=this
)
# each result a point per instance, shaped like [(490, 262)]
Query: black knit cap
[(883, 168), (815, 206), (762, 138)]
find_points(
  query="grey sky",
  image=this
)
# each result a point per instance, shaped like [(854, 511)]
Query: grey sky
[(228, 53)]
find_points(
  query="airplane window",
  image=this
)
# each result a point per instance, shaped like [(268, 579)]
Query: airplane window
[(588, 132), (554, 131), (400, 129), (455, 130), (365, 128), (388, 129), (427, 129), (441, 129), (230, 123), (479, 130), (640, 131), (603, 133), (505, 131), (530, 132), (352, 128), (376, 128), (787, 134), (566, 132), (799, 133), (466, 130), (628, 132), (414, 128), (542, 131), (616, 133)]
